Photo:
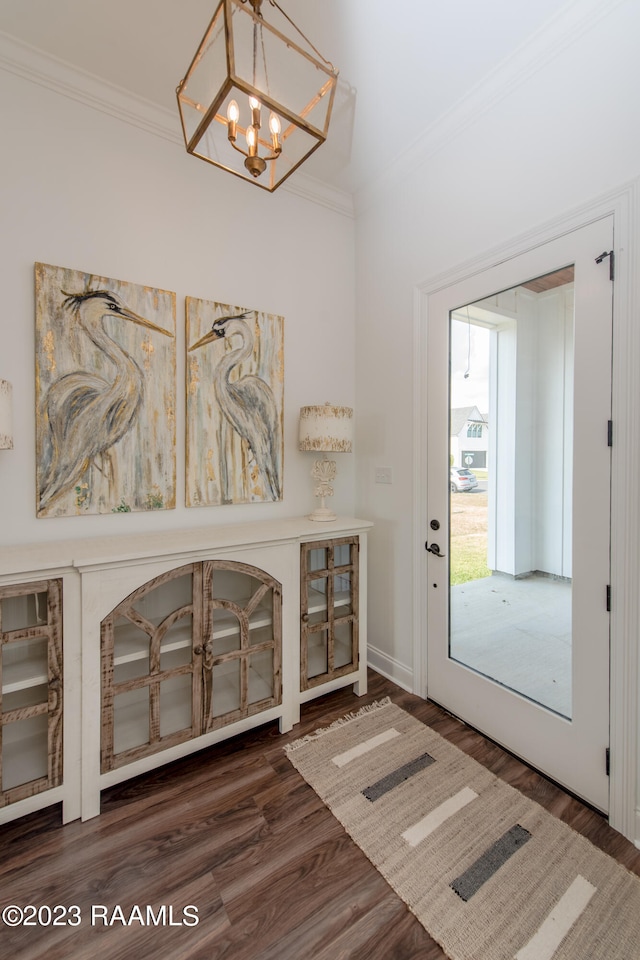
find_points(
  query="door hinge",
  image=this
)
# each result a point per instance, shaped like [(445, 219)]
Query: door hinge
[(610, 433), (611, 255), (608, 598), (607, 761)]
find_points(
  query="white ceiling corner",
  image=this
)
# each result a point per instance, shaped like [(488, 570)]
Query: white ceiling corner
[(420, 67)]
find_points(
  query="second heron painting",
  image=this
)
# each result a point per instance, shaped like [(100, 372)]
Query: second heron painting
[(235, 400)]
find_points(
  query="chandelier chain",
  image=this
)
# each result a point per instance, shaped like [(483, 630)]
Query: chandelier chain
[(257, 27), (305, 38)]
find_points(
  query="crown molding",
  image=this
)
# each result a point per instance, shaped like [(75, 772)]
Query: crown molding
[(573, 20), (309, 188), (33, 64), (61, 77)]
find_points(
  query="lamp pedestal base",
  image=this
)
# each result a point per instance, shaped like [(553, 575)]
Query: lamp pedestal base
[(322, 513), (324, 471)]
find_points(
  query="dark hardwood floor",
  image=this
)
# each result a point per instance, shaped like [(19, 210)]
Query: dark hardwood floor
[(237, 833)]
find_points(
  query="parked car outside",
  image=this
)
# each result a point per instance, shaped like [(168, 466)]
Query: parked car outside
[(461, 479)]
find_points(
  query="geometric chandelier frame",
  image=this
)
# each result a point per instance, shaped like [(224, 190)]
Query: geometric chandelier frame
[(254, 101)]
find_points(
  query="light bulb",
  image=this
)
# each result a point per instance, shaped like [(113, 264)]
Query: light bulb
[(251, 137), (255, 112), (274, 127), (232, 120), (274, 124)]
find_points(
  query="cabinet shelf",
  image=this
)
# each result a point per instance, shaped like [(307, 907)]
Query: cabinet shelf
[(318, 600), (23, 677), (131, 645)]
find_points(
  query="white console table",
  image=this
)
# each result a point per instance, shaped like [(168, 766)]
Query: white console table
[(124, 653)]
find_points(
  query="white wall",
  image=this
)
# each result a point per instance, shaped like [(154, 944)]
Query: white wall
[(530, 480), (83, 189), (560, 135), (553, 464)]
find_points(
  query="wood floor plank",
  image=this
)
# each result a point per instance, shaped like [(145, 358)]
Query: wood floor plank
[(306, 910), (341, 928), (381, 934), (236, 829), (248, 873)]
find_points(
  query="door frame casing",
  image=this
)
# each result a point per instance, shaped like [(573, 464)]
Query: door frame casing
[(625, 467)]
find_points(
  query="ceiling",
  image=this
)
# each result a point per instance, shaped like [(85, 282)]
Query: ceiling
[(551, 280), (403, 63)]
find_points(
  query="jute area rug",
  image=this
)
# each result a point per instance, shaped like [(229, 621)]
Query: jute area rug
[(487, 871)]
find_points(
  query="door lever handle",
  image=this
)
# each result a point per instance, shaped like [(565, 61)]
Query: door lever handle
[(434, 549)]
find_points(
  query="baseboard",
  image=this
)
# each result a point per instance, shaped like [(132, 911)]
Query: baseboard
[(390, 668)]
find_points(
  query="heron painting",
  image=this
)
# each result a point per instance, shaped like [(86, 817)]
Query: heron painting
[(105, 385), (235, 399)]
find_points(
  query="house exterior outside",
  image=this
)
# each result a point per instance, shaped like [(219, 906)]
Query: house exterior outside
[(469, 430)]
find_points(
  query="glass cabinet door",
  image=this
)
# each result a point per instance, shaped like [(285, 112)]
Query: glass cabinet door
[(329, 610), (30, 689), (150, 686), (189, 651), (242, 642)]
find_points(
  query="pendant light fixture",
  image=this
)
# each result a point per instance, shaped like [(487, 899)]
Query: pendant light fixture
[(254, 101)]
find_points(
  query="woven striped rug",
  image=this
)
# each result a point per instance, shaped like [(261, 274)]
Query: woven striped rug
[(487, 871)]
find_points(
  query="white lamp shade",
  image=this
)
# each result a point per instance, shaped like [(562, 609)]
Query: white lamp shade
[(6, 415), (326, 428)]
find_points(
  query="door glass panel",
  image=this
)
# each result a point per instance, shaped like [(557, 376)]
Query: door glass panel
[(317, 653), (20, 613), (260, 676), (175, 649), (259, 635), (233, 585), (261, 619), (24, 666), (226, 631), (342, 594), (510, 480), (318, 610), (130, 651), (342, 554), (342, 644), (175, 704), (24, 751), (130, 719), (225, 684), (317, 558), (25, 696), (158, 603)]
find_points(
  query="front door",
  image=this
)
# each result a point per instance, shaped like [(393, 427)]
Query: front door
[(519, 401)]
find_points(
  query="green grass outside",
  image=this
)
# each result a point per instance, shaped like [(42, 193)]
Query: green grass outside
[(468, 560), (468, 545)]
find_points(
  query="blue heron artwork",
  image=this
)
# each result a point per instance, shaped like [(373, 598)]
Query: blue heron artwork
[(105, 395), (235, 398)]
